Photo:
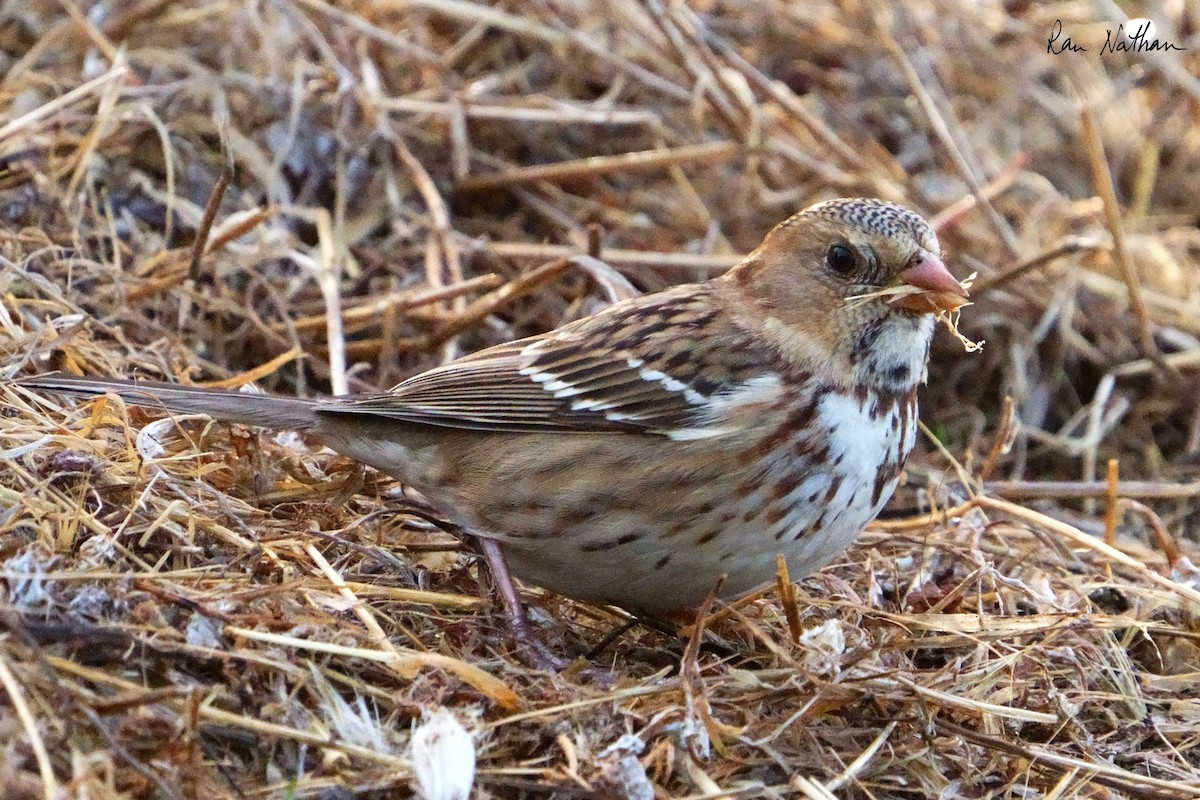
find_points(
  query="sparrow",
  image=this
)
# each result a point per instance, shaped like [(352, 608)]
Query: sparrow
[(636, 456)]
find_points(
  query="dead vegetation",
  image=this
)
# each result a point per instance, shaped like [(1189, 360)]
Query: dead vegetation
[(320, 197)]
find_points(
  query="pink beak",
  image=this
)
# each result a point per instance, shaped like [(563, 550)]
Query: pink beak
[(940, 291)]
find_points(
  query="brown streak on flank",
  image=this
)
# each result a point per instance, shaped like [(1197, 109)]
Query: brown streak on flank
[(907, 408), (577, 515), (798, 420), (597, 547), (786, 485), (708, 537), (775, 514), (885, 474), (789, 510), (748, 488), (811, 530), (533, 508), (816, 452), (764, 446), (682, 526), (835, 483), (662, 562)]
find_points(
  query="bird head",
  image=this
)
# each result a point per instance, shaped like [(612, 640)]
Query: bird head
[(860, 279)]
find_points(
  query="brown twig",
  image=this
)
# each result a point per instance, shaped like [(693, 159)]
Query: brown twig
[(1165, 540), (492, 302), (1102, 180), (1110, 508), (997, 186), (1066, 247), (1148, 490), (367, 313), (1079, 538), (948, 140), (1006, 431), (707, 154), (1112, 777), (787, 595), (697, 262), (200, 243), (690, 681)]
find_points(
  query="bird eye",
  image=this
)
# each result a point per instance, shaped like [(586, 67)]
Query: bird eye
[(840, 259)]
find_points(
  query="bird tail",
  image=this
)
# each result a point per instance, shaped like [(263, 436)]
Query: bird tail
[(281, 413)]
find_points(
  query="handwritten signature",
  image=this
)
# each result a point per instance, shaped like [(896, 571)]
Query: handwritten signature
[(1140, 40)]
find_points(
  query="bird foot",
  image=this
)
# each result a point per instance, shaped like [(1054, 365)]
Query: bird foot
[(529, 648)]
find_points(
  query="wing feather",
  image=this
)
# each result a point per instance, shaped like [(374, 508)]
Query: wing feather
[(603, 374)]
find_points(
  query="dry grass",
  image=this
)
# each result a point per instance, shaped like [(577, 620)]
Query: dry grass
[(191, 610)]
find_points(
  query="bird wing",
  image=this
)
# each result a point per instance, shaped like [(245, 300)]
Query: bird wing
[(652, 366)]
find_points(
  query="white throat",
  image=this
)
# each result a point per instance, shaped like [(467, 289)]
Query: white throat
[(891, 353)]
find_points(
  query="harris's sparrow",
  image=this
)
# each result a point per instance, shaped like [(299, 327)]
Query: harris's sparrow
[(634, 456)]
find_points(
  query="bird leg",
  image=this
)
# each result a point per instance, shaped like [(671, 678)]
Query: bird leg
[(529, 648)]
